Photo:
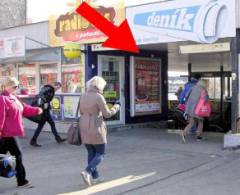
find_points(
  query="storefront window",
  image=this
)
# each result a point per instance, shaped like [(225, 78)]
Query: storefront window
[(48, 74), (175, 84), (72, 75), (6, 70), (27, 78), (214, 87), (111, 73), (146, 87)]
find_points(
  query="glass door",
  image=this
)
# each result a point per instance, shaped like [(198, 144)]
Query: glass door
[(111, 68)]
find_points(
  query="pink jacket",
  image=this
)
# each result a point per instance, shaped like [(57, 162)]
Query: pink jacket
[(11, 122)]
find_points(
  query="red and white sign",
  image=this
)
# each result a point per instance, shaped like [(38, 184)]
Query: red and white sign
[(145, 86)]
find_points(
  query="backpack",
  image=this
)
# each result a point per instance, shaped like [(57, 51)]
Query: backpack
[(7, 166), (186, 92)]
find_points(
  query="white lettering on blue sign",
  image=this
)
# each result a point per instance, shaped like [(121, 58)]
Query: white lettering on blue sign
[(200, 22), (178, 19)]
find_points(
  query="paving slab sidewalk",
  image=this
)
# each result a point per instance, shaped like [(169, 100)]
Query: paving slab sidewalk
[(138, 161)]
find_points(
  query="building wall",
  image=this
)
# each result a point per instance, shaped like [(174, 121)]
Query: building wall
[(12, 13)]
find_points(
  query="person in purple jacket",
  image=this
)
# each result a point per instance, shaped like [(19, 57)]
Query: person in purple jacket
[(12, 110)]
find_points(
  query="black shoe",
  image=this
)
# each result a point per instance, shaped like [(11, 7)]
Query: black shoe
[(35, 144), (199, 138), (60, 140)]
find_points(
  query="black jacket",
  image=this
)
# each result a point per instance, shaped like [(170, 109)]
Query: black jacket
[(44, 97), (43, 100)]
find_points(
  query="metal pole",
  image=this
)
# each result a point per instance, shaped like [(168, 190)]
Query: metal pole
[(189, 70), (235, 81), (221, 96), (228, 86)]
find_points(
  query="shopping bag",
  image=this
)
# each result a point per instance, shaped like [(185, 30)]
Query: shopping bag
[(73, 134), (203, 108), (37, 119), (7, 166), (181, 107)]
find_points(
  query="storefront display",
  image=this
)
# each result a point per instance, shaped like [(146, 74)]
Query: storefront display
[(7, 70), (145, 86), (111, 72), (27, 77), (72, 75), (48, 74)]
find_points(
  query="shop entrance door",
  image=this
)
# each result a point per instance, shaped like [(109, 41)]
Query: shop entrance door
[(111, 68)]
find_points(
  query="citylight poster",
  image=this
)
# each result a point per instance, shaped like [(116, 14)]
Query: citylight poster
[(146, 86)]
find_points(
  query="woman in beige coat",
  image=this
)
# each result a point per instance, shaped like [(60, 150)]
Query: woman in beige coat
[(93, 108)]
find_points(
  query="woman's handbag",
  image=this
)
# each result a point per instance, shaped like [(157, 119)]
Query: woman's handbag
[(73, 135), (203, 108)]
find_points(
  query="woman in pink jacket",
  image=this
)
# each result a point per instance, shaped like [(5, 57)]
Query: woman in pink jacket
[(11, 126)]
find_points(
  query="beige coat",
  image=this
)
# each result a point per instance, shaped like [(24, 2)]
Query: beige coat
[(92, 109)]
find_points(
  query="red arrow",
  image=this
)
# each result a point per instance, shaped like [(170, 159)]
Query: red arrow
[(118, 37)]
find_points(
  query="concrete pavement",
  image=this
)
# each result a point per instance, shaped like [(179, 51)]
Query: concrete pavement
[(138, 161)]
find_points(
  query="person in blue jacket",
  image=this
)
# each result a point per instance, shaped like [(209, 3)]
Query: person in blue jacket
[(183, 97), (188, 88)]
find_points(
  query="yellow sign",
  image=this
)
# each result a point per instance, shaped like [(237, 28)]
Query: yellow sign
[(110, 94), (72, 50), (55, 103), (68, 107), (71, 27)]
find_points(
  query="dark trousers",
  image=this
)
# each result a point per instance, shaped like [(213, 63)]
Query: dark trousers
[(47, 118), (10, 144), (95, 156)]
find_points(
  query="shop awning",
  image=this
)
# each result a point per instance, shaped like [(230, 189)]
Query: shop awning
[(35, 56)]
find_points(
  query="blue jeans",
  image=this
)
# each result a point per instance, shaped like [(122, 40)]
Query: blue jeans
[(95, 156)]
